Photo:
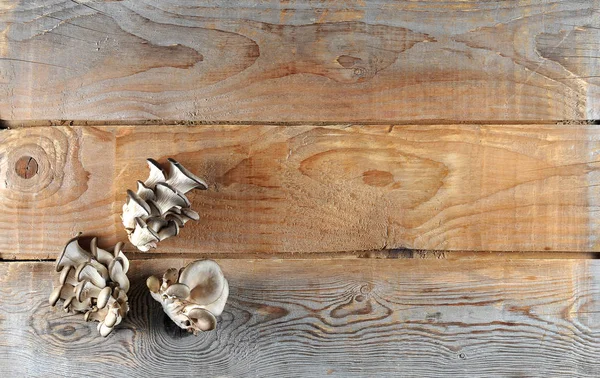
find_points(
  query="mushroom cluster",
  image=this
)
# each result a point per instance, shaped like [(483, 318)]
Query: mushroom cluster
[(159, 207), (94, 283), (192, 297)]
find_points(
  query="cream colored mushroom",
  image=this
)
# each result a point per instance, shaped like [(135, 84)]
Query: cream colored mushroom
[(160, 208), (193, 298), (182, 179), (93, 283)]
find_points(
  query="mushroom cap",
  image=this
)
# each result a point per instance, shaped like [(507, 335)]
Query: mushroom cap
[(144, 192), (182, 179), (104, 257), (217, 307), (153, 284), (142, 236), (202, 319), (72, 254), (178, 290), (86, 271), (118, 253), (103, 297), (63, 291), (168, 197), (134, 207), (104, 329), (156, 174), (190, 214), (65, 272), (205, 280), (172, 229), (170, 277), (111, 316), (156, 223), (117, 274)]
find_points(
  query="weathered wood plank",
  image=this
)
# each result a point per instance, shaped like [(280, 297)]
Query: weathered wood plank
[(318, 61), (343, 318), (313, 189)]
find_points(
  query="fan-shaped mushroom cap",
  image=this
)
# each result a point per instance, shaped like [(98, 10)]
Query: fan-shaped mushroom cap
[(117, 274), (156, 174), (134, 207), (190, 214), (63, 291), (87, 271), (182, 179), (202, 319), (67, 273), (72, 255), (171, 229), (178, 290), (217, 307), (205, 280), (156, 223), (104, 257), (168, 197), (144, 192), (118, 253)]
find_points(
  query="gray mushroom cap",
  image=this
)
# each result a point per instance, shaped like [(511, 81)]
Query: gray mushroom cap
[(202, 319), (156, 174), (72, 255), (168, 197), (134, 207), (205, 280), (63, 291), (182, 179), (104, 257), (87, 271), (117, 274)]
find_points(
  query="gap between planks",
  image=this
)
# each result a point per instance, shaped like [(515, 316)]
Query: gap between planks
[(378, 254), (13, 124)]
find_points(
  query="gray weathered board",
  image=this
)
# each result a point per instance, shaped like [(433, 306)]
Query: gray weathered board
[(299, 61), (360, 317)]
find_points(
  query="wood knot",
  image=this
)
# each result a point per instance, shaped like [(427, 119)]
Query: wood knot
[(26, 167)]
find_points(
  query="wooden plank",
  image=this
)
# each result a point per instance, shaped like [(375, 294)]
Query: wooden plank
[(313, 189), (343, 318), (320, 61)]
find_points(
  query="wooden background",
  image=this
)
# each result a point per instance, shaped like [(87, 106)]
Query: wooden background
[(396, 188)]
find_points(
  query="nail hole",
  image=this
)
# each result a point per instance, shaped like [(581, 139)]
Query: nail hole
[(462, 356), (26, 167)]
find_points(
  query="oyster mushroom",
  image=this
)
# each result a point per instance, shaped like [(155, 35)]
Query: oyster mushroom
[(182, 179), (193, 298), (94, 283), (159, 207)]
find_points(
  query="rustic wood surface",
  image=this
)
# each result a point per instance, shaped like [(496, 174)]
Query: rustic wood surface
[(363, 317), (299, 61), (312, 189)]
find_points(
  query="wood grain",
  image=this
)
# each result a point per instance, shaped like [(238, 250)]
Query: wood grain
[(313, 189), (342, 318), (317, 189), (321, 61)]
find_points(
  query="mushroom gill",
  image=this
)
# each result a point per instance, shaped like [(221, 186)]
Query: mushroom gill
[(192, 297), (159, 207), (94, 283)]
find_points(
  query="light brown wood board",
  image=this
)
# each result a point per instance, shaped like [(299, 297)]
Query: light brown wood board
[(318, 61), (338, 318), (328, 189)]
